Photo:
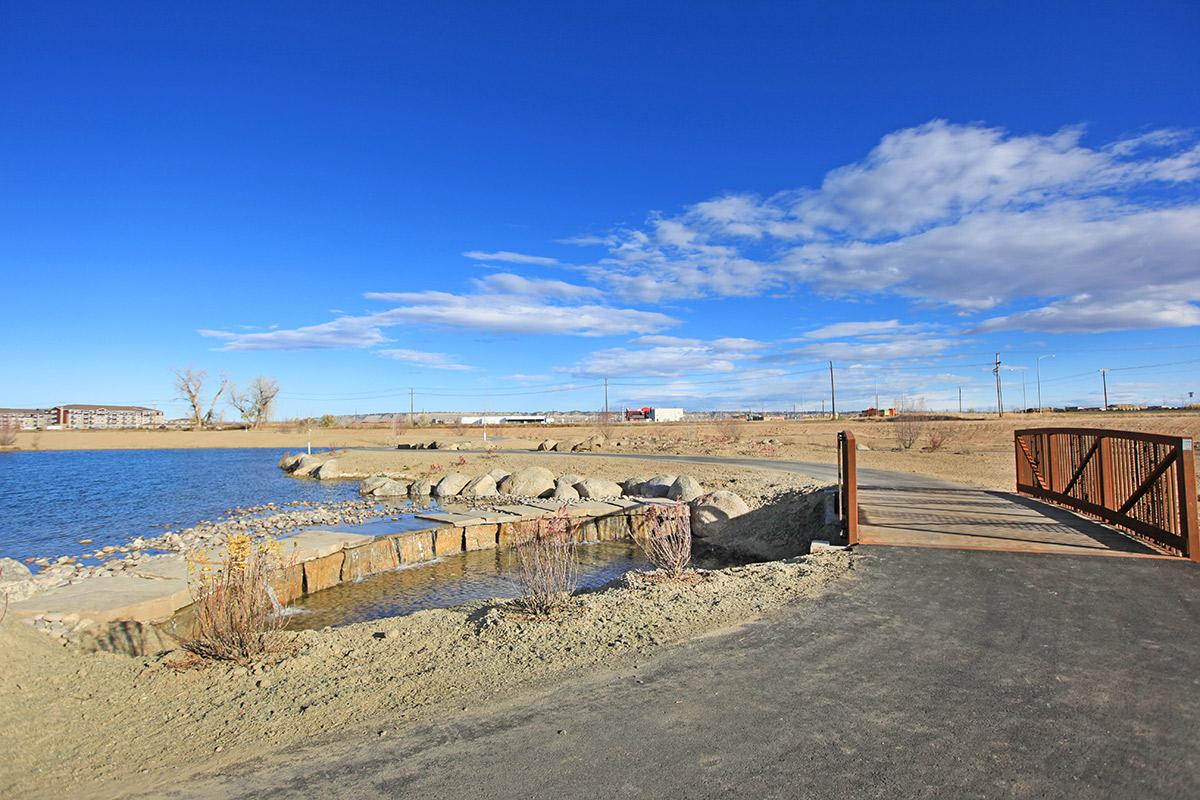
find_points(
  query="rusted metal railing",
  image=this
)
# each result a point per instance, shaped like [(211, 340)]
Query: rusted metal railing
[(848, 485), (1143, 483)]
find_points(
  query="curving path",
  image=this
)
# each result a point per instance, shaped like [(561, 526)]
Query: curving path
[(931, 673)]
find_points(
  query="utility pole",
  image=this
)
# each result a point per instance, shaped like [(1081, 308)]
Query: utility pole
[(606, 399), (960, 399), (1039, 379), (877, 395), (999, 393), (1104, 379), (411, 417), (832, 393)]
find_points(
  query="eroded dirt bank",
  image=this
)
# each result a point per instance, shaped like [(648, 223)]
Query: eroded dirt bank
[(102, 725)]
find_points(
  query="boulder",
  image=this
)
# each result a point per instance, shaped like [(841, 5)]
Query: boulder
[(658, 486), (548, 444), (529, 482), (685, 489), (499, 474), (565, 446), (596, 488), (594, 442), (420, 488), (288, 460), (483, 486), (305, 466), (13, 570), (391, 488), (451, 484), (328, 470), (565, 491), (371, 484), (710, 511), (632, 487), (570, 478)]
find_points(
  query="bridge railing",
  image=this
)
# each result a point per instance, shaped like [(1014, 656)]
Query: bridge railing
[(1142, 483), (848, 485)]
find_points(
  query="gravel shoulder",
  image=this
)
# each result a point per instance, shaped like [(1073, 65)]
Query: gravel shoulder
[(61, 710)]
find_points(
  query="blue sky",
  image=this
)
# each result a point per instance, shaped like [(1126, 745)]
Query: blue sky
[(503, 204)]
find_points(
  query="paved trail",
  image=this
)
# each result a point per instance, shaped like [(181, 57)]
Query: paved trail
[(932, 673)]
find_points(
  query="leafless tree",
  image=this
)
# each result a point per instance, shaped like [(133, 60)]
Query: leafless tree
[(189, 387), (939, 435), (666, 537), (910, 422), (255, 404), (548, 567), (8, 433)]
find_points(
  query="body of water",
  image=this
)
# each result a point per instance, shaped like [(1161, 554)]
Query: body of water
[(49, 500)]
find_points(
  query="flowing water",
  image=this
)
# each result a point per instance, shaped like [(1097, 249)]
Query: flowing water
[(49, 500)]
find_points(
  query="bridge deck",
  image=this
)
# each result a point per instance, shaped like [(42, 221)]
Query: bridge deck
[(977, 519)]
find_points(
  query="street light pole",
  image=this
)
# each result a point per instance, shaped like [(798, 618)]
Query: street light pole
[(1104, 378), (1039, 379)]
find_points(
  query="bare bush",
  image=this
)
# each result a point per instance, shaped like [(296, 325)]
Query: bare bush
[(236, 614), (910, 422), (548, 568), (8, 433), (730, 430), (605, 424), (939, 435), (666, 537)]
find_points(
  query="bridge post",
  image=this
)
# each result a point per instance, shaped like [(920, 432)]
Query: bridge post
[(848, 484), (1189, 525)]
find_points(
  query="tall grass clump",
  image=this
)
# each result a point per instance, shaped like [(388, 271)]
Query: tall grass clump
[(666, 537), (548, 569), (236, 614), (8, 433)]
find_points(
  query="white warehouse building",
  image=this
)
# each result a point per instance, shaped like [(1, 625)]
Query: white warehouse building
[(667, 414)]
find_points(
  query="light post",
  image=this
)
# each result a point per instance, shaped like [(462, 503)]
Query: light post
[(1104, 378), (1039, 379)]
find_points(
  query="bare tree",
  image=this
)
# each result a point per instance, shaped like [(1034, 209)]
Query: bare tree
[(256, 403), (910, 422), (8, 433), (189, 387)]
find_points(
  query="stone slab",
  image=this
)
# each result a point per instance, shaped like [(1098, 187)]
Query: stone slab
[(165, 566), (289, 585), (308, 545), (448, 541), (368, 559), (453, 518), (480, 537), (121, 597), (321, 573), (414, 546), (517, 531), (523, 511)]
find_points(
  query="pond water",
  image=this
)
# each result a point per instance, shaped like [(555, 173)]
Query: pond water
[(49, 500), (449, 581)]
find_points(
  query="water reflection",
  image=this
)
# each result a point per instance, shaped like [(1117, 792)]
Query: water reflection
[(450, 581)]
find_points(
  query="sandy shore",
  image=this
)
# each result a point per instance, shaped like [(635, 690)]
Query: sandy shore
[(60, 710), (977, 451)]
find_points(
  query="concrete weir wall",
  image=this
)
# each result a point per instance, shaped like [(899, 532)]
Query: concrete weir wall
[(120, 613)]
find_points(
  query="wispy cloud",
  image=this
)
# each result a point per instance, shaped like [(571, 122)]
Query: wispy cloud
[(341, 333), (421, 358), (511, 258)]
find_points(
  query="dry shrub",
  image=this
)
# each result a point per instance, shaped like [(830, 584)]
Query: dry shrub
[(548, 568), (8, 433), (666, 538), (461, 461), (730, 430), (909, 423), (236, 614), (939, 435)]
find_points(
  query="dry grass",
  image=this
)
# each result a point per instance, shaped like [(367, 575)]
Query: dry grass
[(729, 430), (236, 615), (549, 570), (666, 538)]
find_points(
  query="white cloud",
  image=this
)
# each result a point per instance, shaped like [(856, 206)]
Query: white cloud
[(341, 333), (842, 329), (964, 215), (508, 283), (1083, 314), (511, 258), (668, 356), (422, 358)]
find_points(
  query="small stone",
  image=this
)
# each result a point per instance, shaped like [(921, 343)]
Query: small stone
[(218, 749), (393, 634), (562, 732), (265, 683)]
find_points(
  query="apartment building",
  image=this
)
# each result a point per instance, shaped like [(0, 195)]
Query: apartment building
[(81, 417), (26, 419)]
